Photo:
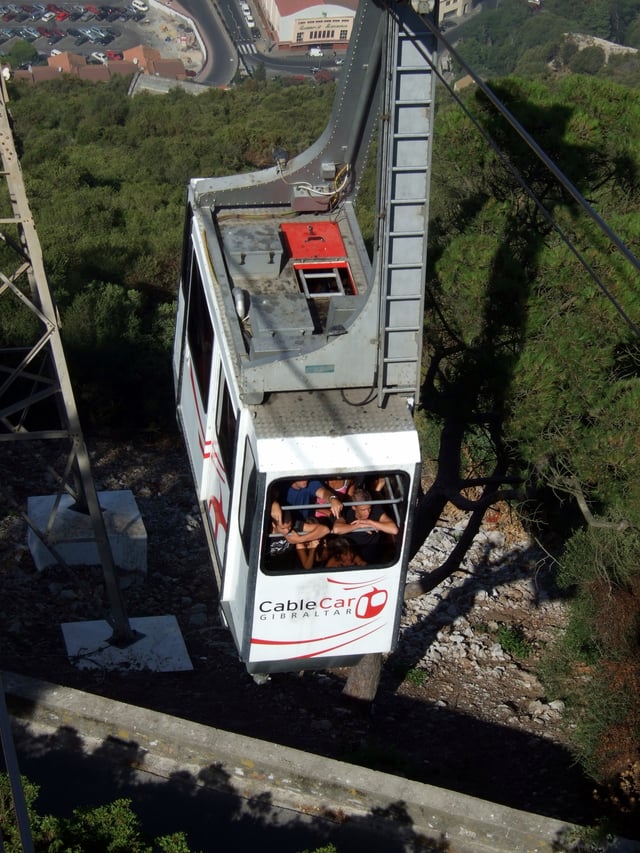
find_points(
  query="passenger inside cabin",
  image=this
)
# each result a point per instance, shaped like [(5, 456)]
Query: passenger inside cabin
[(301, 536), (342, 488), (305, 494), (376, 486), (367, 526), (341, 553)]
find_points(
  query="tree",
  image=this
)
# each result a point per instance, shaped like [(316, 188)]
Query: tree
[(111, 828), (524, 379), (21, 53), (589, 60)]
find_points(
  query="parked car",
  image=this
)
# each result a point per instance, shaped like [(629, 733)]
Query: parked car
[(139, 6), (99, 57), (48, 16), (80, 40)]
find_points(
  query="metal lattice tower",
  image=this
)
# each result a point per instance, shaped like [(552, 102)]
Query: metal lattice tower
[(36, 397)]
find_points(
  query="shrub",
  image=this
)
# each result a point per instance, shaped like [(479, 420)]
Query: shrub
[(112, 828)]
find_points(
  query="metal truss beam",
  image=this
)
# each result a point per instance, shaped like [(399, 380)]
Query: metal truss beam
[(36, 396)]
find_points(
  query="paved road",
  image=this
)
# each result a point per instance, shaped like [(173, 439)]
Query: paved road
[(226, 38), (222, 56)]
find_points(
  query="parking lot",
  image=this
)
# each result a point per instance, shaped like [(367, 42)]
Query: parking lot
[(100, 33)]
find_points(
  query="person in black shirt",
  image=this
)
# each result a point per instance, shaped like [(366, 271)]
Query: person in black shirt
[(365, 525)]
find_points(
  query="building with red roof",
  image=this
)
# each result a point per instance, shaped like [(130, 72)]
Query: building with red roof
[(137, 60), (309, 23)]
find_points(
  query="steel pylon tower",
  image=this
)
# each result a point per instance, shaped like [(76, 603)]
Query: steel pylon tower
[(36, 397)]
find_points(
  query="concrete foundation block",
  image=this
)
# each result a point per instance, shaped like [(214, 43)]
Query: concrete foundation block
[(72, 533)]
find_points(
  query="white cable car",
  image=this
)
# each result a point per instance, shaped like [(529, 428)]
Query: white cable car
[(296, 362)]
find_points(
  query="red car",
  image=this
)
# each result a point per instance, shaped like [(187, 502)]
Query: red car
[(62, 15)]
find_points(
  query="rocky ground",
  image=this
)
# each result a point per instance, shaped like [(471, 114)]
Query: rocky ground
[(459, 705)]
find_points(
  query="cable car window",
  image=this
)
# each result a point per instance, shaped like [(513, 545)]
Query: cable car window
[(187, 251), (336, 521), (247, 498), (200, 333), (226, 426)]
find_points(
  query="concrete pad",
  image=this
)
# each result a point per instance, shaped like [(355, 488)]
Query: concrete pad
[(73, 537), (160, 647)]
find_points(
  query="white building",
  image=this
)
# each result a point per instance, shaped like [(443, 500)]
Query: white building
[(454, 9), (307, 23)]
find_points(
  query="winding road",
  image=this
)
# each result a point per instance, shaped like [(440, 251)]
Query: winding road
[(227, 40)]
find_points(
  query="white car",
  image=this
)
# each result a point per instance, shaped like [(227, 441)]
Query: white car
[(139, 6), (99, 57)]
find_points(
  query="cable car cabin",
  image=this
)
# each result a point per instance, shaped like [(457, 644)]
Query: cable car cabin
[(296, 359), (273, 340)]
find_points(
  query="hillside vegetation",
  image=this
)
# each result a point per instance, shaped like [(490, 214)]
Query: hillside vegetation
[(534, 41), (106, 177), (537, 362)]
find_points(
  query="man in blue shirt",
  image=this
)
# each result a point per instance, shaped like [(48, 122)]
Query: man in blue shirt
[(306, 494)]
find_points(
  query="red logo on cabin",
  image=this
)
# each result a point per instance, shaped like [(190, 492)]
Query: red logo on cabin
[(371, 603)]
